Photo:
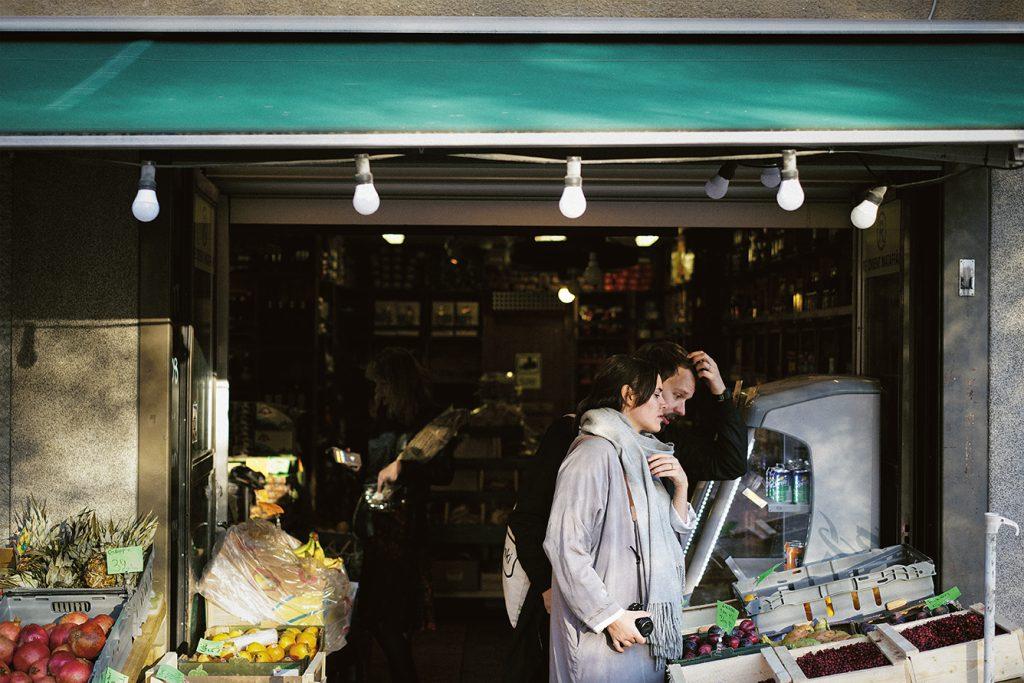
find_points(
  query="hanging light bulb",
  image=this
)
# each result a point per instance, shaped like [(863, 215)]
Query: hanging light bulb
[(549, 238), (719, 183), (393, 238), (573, 203), (790, 195), (771, 177), (865, 214), (645, 240), (566, 296), (146, 207), (365, 200)]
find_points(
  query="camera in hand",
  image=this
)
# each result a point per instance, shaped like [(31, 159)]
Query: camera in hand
[(644, 624)]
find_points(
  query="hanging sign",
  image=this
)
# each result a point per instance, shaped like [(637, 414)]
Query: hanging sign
[(943, 598), (726, 616)]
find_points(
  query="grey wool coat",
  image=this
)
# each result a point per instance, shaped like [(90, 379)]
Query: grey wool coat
[(589, 536)]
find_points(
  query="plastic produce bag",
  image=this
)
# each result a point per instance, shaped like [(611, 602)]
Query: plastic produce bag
[(256, 575), (429, 441)]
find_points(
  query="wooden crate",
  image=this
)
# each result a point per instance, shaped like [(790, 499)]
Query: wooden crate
[(963, 661), (898, 670), (759, 666)]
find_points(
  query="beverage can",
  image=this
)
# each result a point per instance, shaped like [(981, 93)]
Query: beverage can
[(783, 489), (801, 484), (794, 554)]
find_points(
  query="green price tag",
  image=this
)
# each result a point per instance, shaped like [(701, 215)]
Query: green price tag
[(169, 674), (124, 560), (940, 600), (761, 577), (111, 676), (726, 616), (209, 647)]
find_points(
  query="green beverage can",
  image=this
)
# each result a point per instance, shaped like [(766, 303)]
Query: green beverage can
[(801, 484)]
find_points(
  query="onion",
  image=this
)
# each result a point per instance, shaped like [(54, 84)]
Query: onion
[(75, 671), (27, 655)]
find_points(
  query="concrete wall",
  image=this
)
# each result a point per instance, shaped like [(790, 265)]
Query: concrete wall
[(1006, 346), (962, 10), (73, 380)]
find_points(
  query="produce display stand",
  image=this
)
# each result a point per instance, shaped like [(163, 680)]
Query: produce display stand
[(898, 670), (144, 648), (963, 661), (759, 666)]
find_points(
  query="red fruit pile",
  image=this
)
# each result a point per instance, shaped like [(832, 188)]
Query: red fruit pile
[(62, 652), (958, 628), (842, 660)]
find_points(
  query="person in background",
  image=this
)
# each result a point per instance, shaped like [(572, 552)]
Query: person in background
[(393, 600), (717, 451), (615, 535)]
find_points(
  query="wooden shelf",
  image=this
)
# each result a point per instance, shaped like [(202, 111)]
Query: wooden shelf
[(837, 312)]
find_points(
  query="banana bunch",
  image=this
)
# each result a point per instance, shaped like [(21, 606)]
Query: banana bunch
[(313, 550)]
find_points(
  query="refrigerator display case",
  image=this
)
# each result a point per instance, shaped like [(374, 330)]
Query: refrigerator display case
[(811, 490)]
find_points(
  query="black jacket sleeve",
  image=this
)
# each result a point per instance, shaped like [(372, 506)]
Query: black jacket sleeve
[(529, 521), (719, 452)]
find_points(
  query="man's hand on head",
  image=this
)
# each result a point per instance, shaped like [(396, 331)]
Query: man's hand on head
[(706, 369)]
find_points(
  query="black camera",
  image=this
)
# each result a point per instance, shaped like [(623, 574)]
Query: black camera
[(644, 624)]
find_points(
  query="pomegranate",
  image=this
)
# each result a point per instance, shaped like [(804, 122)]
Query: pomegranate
[(10, 629), (6, 650), (20, 677), (5, 671), (33, 633), (105, 622), (58, 660), (27, 655), (75, 671), (49, 628), (61, 648), (59, 635), (87, 640), (74, 618), (38, 669), (46, 679)]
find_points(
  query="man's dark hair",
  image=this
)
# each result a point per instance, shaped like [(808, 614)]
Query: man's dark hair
[(620, 370), (666, 356)]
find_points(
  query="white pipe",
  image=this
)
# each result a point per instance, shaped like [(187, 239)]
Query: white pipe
[(992, 524)]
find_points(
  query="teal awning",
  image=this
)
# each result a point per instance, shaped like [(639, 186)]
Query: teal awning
[(438, 92)]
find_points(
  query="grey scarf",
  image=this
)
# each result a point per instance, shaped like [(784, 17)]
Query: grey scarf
[(662, 553)]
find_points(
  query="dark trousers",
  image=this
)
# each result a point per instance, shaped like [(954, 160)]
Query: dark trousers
[(527, 658)]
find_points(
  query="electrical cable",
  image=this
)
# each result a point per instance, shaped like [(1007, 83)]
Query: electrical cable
[(932, 13)]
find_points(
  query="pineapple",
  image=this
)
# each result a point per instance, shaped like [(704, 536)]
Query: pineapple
[(140, 531), (32, 541)]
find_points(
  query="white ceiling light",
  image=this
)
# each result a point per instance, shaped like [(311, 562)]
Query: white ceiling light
[(566, 296), (365, 200), (393, 237), (645, 240), (146, 207), (865, 214), (719, 183), (549, 238), (573, 203), (790, 195)]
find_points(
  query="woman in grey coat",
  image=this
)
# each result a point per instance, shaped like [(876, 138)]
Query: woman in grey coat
[(615, 535)]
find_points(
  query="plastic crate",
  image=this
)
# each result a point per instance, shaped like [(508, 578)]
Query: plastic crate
[(838, 590), (41, 608)]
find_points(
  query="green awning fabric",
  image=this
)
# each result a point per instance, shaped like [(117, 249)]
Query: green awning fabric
[(306, 85)]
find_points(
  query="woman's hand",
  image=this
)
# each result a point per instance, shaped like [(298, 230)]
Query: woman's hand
[(666, 466), (622, 632), (389, 475)]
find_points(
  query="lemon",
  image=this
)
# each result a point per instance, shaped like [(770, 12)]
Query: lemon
[(247, 656), (275, 653), (261, 657), (311, 629), (251, 631), (234, 633), (299, 651), (255, 647), (220, 637), (293, 630), (308, 638), (286, 641)]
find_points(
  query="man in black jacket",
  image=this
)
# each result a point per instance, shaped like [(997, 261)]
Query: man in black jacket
[(718, 453)]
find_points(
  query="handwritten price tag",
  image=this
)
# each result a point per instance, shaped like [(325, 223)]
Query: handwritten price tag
[(940, 600), (764, 575), (169, 674), (124, 560), (726, 616), (209, 647), (111, 676)]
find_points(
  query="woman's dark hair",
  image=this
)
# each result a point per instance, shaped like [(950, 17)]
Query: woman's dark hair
[(618, 371), (401, 384), (667, 356)]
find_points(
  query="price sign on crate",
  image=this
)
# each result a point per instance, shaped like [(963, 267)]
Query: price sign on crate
[(124, 560), (169, 674), (726, 616), (761, 577), (111, 676), (209, 647), (940, 600)]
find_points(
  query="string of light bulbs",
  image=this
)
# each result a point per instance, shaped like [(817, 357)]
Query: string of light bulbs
[(781, 172)]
